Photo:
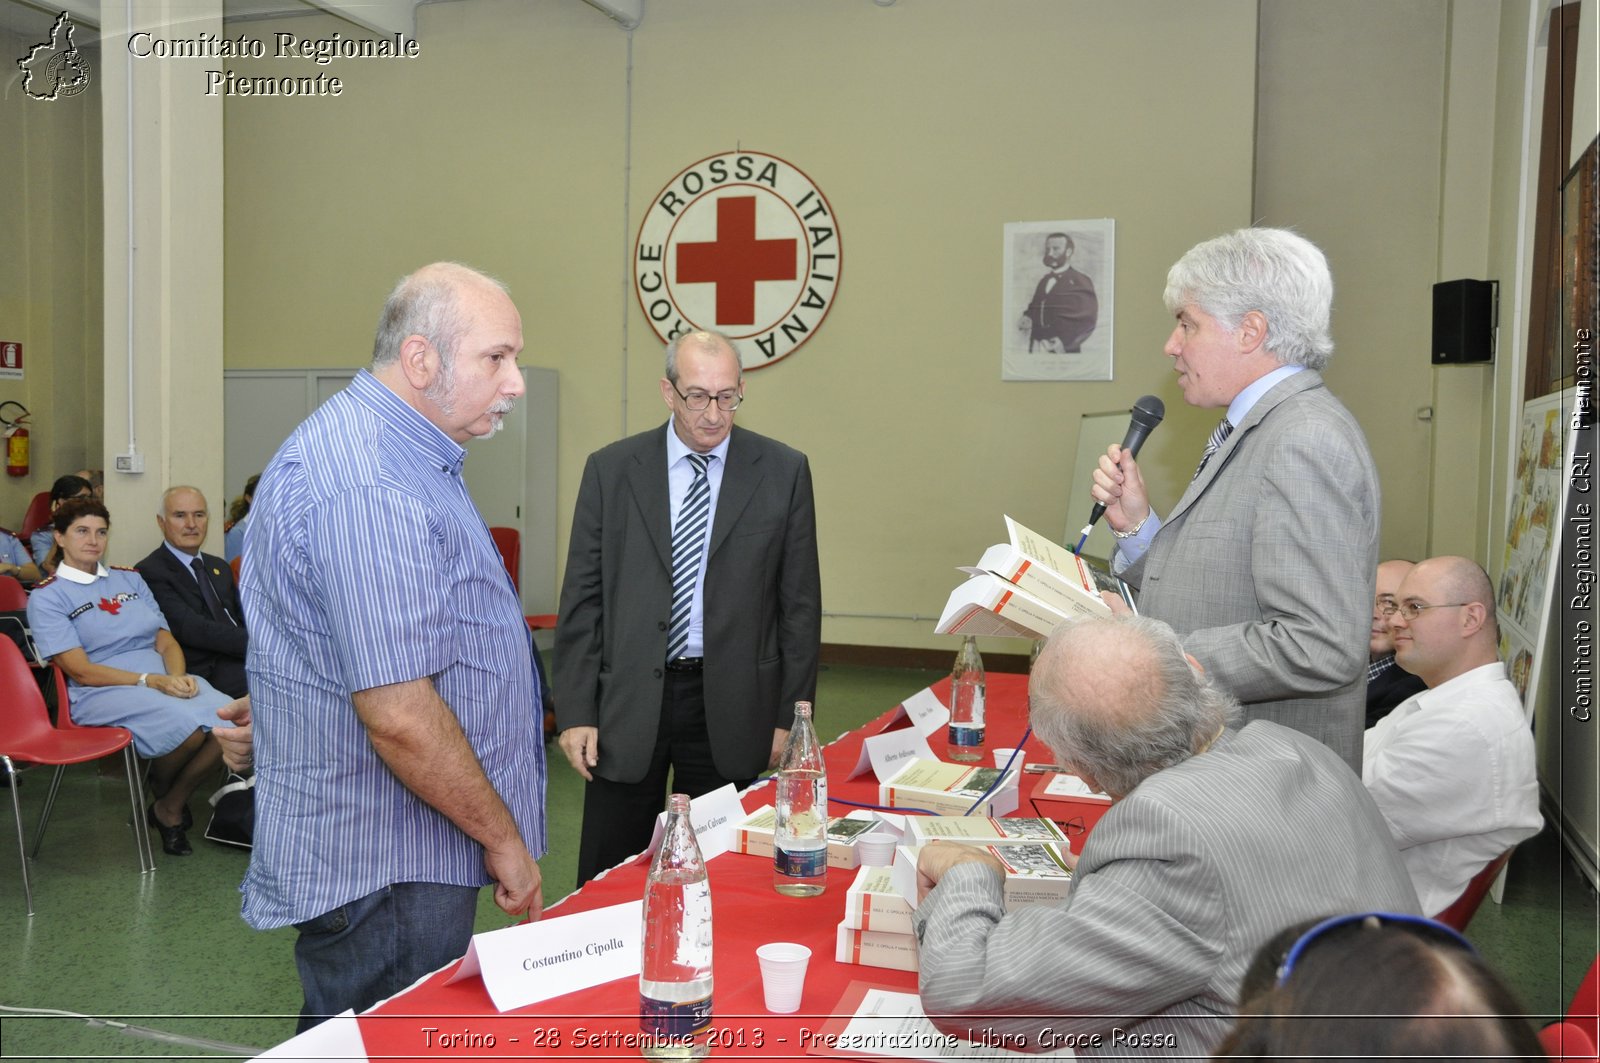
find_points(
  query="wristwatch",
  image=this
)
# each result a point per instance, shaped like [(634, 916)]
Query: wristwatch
[(144, 679)]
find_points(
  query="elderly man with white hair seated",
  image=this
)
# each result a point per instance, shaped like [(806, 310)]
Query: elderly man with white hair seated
[(1216, 839)]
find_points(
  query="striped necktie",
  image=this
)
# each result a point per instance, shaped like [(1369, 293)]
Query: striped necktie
[(688, 538), (1213, 444)]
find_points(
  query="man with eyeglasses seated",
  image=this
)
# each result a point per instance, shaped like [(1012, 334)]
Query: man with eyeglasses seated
[(1387, 683), (1452, 769), (1217, 837), (691, 611)]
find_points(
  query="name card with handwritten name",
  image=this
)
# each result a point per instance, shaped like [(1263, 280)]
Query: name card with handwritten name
[(525, 964)]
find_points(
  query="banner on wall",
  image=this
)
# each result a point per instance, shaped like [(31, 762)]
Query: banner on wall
[(743, 243)]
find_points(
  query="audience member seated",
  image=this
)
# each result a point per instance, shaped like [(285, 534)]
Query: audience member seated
[(97, 481), (102, 627), (15, 561), (238, 515), (1387, 683), (1452, 769), (1376, 986), (43, 542), (1216, 839), (196, 592)]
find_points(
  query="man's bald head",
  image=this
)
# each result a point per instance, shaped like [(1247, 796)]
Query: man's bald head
[(1118, 700), (427, 303), (1454, 629)]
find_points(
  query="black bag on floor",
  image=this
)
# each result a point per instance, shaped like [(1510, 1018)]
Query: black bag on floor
[(233, 811)]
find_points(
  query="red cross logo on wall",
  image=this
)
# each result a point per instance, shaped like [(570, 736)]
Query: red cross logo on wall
[(736, 260), (742, 242)]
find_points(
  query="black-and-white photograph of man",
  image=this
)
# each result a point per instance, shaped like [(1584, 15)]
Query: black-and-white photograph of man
[(1058, 286), (1064, 309)]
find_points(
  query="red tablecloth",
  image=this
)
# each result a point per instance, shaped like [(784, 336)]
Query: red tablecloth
[(747, 912)]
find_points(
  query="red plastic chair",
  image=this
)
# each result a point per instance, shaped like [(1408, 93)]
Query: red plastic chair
[(1563, 1041), (1460, 913), (38, 516), (27, 735), (1584, 1011), (13, 596), (509, 542)]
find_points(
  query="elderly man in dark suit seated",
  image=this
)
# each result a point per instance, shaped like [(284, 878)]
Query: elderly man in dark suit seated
[(1216, 839), (196, 592)]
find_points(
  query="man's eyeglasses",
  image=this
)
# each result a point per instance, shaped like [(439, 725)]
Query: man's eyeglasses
[(1411, 610), (697, 400)]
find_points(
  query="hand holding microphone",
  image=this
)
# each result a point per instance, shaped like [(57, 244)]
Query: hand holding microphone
[(1117, 481)]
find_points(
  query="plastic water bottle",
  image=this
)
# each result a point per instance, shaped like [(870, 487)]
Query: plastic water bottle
[(800, 844), (965, 737), (675, 961)]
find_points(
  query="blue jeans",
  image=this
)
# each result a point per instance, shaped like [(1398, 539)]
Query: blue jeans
[(371, 948)]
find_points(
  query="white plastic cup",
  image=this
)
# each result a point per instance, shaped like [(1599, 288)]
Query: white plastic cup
[(877, 848), (783, 975), (1001, 756)]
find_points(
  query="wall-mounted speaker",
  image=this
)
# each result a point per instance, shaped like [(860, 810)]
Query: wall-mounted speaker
[(1464, 321)]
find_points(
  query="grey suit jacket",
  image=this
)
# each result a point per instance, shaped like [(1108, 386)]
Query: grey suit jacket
[(1268, 563), (763, 603), (1178, 886)]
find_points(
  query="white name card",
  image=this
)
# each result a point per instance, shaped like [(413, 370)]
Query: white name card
[(713, 817), (889, 752), (525, 964), (928, 714)]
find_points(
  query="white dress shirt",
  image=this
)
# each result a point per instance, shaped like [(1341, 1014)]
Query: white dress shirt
[(1452, 771)]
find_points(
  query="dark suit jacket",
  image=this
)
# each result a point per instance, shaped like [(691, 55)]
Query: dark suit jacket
[(1067, 313), (1267, 564), (212, 649), (1393, 685), (763, 603)]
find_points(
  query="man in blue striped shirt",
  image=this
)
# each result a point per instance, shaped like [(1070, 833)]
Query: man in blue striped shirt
[(399, 754)]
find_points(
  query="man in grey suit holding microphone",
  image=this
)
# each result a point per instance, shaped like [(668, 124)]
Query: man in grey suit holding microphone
[(1265, 566), (1216, 839), (691, 611)]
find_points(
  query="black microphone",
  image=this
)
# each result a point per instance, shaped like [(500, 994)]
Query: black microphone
[(1145, 415)]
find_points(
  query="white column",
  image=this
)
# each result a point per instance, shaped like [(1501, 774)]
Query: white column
[(162, 165)]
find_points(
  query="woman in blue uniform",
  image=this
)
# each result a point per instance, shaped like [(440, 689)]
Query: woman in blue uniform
[(102, 627)]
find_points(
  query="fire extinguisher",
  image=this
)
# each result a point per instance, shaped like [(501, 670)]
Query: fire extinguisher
[(16, 436)]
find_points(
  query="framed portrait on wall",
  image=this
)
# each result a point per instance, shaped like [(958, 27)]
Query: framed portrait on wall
[(1058, 284)]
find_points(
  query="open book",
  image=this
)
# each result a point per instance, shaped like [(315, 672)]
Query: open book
[(1026, 587)]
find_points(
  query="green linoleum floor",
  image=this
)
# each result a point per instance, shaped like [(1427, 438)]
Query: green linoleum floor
[(168, 953)]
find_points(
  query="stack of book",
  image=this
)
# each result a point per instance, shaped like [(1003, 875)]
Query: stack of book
[(877, 927), (947, 789), (754, 834), (981, 830), (876, 931)]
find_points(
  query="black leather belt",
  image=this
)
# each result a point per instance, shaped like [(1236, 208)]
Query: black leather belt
[(685, 664)]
